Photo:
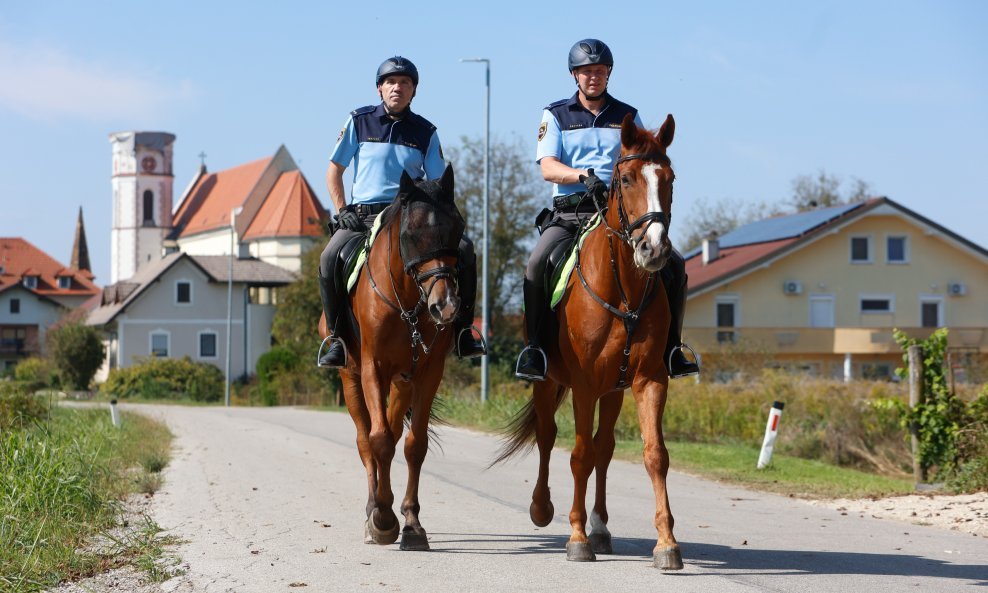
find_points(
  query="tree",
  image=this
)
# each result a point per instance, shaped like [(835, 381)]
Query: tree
[(515, 192), (823, 191), (77, 352), (296, 318)]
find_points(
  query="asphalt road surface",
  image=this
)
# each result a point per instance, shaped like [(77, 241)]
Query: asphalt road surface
[(272, 500)]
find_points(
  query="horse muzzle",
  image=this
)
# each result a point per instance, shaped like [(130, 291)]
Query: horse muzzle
[(650, 256), (443, 303)]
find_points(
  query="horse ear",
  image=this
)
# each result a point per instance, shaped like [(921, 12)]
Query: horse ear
[(446, 182), (629, 131), (406, 185), (666, 132)]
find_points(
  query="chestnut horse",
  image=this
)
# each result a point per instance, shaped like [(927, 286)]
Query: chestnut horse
[(398, 364), (612, 326)]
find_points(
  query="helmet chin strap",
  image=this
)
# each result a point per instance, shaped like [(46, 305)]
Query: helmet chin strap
[(602, 94)]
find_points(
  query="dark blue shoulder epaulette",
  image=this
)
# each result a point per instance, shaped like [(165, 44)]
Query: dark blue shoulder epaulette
[(421, 121), (363, 110), (556, 103)]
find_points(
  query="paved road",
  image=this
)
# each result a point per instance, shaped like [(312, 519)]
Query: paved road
[(269, 499)]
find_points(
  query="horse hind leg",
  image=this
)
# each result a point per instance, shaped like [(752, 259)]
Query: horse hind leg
[(610, 410), (546, 397)]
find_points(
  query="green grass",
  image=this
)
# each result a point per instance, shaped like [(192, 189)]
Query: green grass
[(61, 485)]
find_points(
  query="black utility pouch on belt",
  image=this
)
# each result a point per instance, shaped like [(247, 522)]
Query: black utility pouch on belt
[(542, 220)]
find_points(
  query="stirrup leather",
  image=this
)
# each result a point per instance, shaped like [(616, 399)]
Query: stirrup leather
[(545, 365), (471, 329), (329, 339), (682, 348)]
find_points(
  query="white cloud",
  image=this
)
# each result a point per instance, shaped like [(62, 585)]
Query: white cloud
[(46, 83)]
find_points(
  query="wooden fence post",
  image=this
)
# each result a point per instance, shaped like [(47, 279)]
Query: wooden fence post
[(916, 398)]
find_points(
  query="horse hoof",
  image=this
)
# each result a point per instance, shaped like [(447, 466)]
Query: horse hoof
[(414, 540), (600, 543), (380, 536), (668, 559), (540, 517), (579, 552)]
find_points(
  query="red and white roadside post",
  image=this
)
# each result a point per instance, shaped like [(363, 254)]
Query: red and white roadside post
[(771, 431)]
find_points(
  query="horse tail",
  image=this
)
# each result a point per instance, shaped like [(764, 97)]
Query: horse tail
[(439, 405), (520, 430)]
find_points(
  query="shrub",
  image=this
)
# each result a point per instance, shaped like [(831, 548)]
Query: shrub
[(166, 378), (19, 407), (272, 366), (34, 370), (77, 352)]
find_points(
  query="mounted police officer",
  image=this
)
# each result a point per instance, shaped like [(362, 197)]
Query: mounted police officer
[(579, 140), (382, 141)]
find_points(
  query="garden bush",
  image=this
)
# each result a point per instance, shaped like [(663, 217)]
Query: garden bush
[(77, 352), (166, 378), (19, 407)]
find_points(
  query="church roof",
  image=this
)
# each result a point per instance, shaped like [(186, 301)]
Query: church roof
[(19, 258), (273, 195), (80, 249)]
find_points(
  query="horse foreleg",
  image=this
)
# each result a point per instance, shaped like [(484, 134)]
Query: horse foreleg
[(357, 407), (545, 395), (413, 535), (603, 442), (581, 464), (382, 523), (651, 398)]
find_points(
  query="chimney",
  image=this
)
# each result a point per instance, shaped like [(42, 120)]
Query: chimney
[(711, 249)]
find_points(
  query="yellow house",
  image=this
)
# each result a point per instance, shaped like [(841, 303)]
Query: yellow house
[(822, 290)]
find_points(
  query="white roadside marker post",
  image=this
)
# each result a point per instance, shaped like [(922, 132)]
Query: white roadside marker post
[(771, 431), (114, 413)]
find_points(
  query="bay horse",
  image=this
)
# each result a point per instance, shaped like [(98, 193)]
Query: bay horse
[(613, 323), (395, 370)]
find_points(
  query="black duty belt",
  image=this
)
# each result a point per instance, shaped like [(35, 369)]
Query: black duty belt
[(576, 201), (369, 209)]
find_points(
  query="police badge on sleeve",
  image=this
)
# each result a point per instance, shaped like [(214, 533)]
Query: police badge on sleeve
[(542, 130)]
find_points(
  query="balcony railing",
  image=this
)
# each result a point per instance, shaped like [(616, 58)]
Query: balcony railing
[(837, 340)]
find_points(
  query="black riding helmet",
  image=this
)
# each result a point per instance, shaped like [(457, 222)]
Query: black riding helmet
[(398, 65), (590, 51)]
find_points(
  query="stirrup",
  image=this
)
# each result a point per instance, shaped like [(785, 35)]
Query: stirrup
[(545, 360), (332, 338), (471, 329), (682, 348)]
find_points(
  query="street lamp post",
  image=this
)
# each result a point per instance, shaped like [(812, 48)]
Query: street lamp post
[(229, 299), (485, 311)]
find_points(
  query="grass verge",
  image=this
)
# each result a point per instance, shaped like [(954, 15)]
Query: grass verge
[(63, 481)]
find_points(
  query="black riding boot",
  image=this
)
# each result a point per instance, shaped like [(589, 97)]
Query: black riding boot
[(466, 345), (335, 355), (674, 280), (532, 362)]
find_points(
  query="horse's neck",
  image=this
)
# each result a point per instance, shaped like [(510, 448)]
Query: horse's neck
[(388, 267)]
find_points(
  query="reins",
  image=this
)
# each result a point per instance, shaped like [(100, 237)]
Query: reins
[(629, 317)]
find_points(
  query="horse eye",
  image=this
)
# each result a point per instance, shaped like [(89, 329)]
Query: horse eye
[(625, 180)]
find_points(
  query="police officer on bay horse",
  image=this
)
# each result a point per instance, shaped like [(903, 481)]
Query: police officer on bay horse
[(382, 141), (579, 140)]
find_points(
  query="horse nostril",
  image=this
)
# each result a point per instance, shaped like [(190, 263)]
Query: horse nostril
[(435, 310)]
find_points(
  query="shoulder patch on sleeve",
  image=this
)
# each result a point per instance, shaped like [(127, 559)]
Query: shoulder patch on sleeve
[(363, 110), (542, 129)]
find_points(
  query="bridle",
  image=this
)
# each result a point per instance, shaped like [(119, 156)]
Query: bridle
[(629, 317)]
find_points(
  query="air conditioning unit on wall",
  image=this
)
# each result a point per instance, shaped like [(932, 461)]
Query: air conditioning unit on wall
[(956, 289), (792, 287)]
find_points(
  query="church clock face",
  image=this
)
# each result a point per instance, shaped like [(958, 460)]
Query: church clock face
[(148, 163)]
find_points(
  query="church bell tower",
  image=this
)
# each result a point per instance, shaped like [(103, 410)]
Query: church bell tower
[(142, 199)]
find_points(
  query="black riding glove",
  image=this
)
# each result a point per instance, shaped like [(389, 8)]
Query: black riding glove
[(595, 187), (348, 219)]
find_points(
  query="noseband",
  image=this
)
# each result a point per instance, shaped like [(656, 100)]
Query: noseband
[(626, 233)]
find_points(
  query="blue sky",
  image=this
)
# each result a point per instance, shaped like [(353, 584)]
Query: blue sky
[(894, 93)]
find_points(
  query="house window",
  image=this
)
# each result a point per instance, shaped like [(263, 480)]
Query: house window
[(727, 317), (207, 345), (876, 371), (31, 281), (896, 250), (159, 344), (148, 208), (877, 303), (15, 305), (183, 292), (861, 250), (65, 282)]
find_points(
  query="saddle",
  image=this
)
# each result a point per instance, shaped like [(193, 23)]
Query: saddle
[(562, 262)]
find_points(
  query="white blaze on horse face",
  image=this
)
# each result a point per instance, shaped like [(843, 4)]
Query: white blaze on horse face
[(656, 229)]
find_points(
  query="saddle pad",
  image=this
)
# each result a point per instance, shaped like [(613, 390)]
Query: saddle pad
[(353, 273), (561, 277)]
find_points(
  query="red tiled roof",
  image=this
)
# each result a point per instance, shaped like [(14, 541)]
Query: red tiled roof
[(208, 204), (731, 260), (290, 209), (20, 258)]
